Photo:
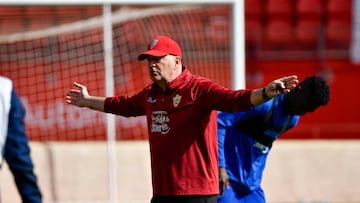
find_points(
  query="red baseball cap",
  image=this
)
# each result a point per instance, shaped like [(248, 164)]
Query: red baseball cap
[(161, 46)]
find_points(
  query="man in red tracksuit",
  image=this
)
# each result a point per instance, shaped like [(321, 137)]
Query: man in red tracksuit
[(181, 111)]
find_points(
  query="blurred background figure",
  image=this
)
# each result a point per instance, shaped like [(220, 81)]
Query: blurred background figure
[(14, 144)]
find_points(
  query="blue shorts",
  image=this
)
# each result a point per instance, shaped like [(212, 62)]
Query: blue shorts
[(233, 196)]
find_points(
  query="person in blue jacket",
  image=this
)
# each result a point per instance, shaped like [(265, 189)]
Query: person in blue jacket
[(246, 138), (14, 143)]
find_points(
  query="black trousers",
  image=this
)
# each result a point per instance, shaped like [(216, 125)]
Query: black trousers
[(185, 199)]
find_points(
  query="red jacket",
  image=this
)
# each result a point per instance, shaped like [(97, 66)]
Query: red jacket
[(182, 126)]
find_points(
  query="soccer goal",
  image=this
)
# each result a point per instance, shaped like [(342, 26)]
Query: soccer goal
[(46, 46)]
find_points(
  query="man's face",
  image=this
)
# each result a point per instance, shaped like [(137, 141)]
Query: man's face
[(161, 69)]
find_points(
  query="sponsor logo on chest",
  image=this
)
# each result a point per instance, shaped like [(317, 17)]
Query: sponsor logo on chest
[(160, 119)]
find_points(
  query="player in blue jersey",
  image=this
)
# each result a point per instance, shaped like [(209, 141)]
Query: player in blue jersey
[(245, 138)]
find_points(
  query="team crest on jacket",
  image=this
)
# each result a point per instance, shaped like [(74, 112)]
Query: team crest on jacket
[(176, 100)]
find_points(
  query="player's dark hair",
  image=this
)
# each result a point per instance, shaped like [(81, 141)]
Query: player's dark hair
[(320, 90)]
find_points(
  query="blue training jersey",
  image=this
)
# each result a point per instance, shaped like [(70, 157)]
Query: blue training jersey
[(243, 149)]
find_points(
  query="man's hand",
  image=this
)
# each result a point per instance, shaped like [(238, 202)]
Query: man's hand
[(77, 97), (223, 180), (81, 98), (275, 88), (281, 86)]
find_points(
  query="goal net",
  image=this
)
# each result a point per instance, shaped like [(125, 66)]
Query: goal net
[(44, 49)]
